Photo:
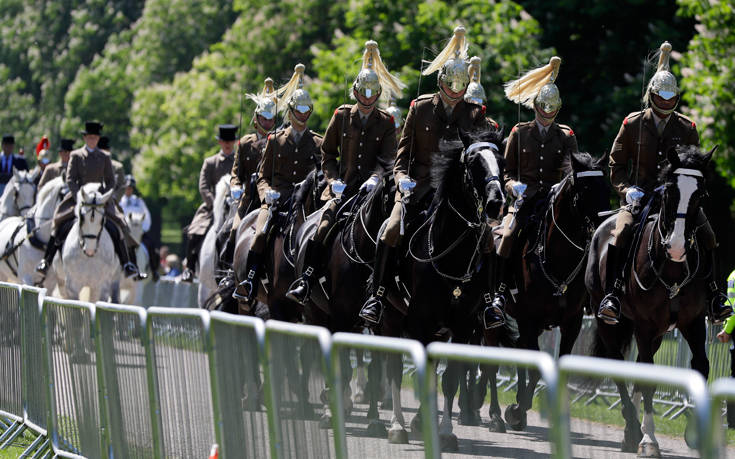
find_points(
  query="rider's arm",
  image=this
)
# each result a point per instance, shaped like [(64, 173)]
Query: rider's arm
[(235, 181), (729, 325), (74, 173), (331, 145), (405, 146), (109, 175), (620, 153), (265, 168), (387, 155), (147, 218), (511, 160), (204, 187)]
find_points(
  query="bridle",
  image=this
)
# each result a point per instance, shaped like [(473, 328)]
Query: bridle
[(95, 207), (468, 179)]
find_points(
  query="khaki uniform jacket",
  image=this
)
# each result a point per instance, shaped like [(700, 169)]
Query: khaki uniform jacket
[(285, 163), (247, 159), (57, 169), (213, 169), (624, 159), (427, 123), (363, 150), (541, 159)]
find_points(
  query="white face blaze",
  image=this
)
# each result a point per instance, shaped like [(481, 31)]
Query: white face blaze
[(489, 157), (676, 242)]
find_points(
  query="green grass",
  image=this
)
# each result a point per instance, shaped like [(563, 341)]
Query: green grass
[(171, 235), (18, 446)]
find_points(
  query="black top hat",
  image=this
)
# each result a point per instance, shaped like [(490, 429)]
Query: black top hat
[(227, 132), (67, 145), (104, 143), (92, 127), (8, 139)]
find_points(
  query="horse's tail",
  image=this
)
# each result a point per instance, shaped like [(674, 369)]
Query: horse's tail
[(222, 300)]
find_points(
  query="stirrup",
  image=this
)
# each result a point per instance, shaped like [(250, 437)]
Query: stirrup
[(299, 291), (493, 317), (243, 291), (368, 311), (609, 310), (187, 275), (719, 310), (228, 280), (42, 266)]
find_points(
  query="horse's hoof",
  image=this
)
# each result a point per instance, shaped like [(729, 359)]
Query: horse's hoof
[(376, 429), (469, 418), (448, 443), (497, 424), (691, 436), (416, 428), (515, 417), (398, 436), (325, 422), (360, 397), (649, 450), (631, 438)]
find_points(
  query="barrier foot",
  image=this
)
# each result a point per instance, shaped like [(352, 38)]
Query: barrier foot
[(12, 437), (9, 431), (42, 450), (33, 446)]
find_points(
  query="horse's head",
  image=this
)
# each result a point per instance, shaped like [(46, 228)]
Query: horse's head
[(682, 191), (482, 161), (588, 186), (90, 213), (222, 201), (135, 223), (24, 191)]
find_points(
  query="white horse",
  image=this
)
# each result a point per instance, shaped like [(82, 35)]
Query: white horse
[(135, 223), (208, 256), (88, 268), (19, 194)]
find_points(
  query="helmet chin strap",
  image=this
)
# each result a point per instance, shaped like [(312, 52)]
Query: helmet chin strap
[(441, 88), (300, 125), (663, 111), (541, 115), (359, 102)]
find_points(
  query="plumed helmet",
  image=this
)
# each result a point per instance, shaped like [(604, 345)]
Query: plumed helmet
[(393, 110), (293, 96), (452, 62), (265, 101), (536, 88), (475, 92), (663, 83), (374, 76)]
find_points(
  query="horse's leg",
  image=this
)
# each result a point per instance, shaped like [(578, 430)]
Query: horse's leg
[(397, 432), (361, 382), (306, 361), (375, 379), (696, 335), (515, 414), (450, 381), (490, 375), (386, 393), (648, 344)]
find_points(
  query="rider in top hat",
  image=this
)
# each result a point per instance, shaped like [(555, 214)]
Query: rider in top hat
[(9, 161), (58, 169), (290, 155), (363, 138), (213, 169), (247, 158), (534, 157), (90, 164), (117, 166), (643, 139), (430, 118)]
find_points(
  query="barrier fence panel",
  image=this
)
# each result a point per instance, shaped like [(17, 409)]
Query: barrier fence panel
[(170, 293), (182, 390), (723, 393), (467, 372), (75, 420), (298, 368), (122, 342), (35, 384), (11, 402), (237, 345), (362, 427), (597, 430)]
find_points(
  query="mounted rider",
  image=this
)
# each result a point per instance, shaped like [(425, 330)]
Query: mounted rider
[(430, 118), (213, 169), (132, 203), (475, 93), (644, 139), (90, 164), (58, 169), (43, 158), (534, 161), (363, 137), (247, 158), (290, 155)]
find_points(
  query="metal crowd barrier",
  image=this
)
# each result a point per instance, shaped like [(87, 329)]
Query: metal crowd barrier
[(169, 293), (11, 397), (722, 391)]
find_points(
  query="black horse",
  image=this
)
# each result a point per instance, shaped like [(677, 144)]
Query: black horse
[(444, 272), (666, 284), (548, 268)]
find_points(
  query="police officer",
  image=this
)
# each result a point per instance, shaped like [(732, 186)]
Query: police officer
[(290, 155), (90, 164), (213, 169), (534, 157), (363, 138), (132, 203), (58, 169), (643, 139), (247, 158), (430, 118)]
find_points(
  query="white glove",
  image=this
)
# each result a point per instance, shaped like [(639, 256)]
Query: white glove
[(370, 184), (633, 195), (236, 193), (518, 189), (406, 185), (338, 187), (555, 188), (271, 196)]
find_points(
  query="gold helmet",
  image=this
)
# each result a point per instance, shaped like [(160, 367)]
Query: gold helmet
[(536, 89), (663, 83), (374, 76), (452, 62), (393, 110), (475, 92), (292, 96), (265, 103)]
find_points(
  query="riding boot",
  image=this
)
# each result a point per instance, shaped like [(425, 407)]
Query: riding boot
[(609, 310), (48, 256), (248, 289), (719, 306), (300, 289), (132, 266), (192, 252), (494, 314), (228, 251), (372, 310)]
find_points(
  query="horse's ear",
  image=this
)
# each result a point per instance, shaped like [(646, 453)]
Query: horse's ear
[(83, 194), (603, 162), (708, 155), (106, 197), (465, 137), (673, 156), (577, 164)]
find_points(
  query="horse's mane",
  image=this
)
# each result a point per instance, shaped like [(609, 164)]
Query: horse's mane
[(49, 188), (302, 189), (690, 157), (221, 191), (89, 189), (586, 160)]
